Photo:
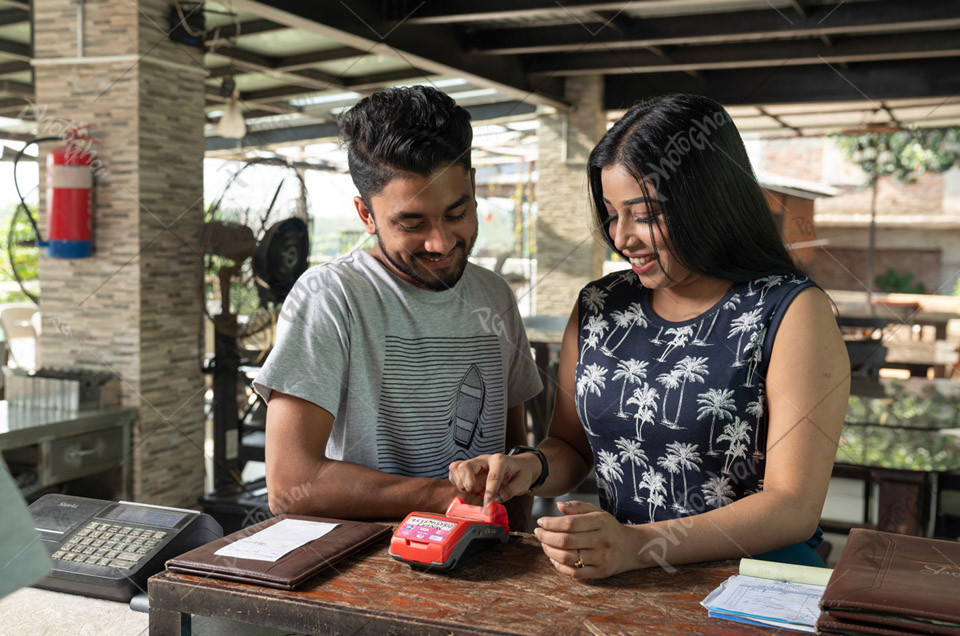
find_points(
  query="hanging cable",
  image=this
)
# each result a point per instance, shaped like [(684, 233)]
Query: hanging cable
[(16, 185)]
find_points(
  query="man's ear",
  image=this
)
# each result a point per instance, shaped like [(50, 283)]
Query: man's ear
[(366, 215)]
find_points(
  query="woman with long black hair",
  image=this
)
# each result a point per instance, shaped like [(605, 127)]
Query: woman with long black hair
[(707, 384)]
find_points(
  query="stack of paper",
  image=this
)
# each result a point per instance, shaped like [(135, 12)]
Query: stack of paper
[(771, 594)]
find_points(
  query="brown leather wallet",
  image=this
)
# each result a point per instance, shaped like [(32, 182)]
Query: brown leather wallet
[(290, 570), (888, 583)]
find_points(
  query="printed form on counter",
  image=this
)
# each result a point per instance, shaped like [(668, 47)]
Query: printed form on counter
[(770, 594)]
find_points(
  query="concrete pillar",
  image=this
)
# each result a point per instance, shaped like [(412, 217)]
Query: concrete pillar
[(134, 308), (568, 255)]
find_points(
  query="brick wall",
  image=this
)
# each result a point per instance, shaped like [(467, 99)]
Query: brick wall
[(568, 255), (796, 222), (928, 248), (134, 308), (924, 196), (846, 268), (799, 158)]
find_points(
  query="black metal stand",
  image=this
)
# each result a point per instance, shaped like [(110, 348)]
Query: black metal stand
[(226, 420)]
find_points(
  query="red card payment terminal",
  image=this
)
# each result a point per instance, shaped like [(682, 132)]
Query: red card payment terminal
[(442, 542)]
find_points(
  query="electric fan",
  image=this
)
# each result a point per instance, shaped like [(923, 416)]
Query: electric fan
[(255, 247)]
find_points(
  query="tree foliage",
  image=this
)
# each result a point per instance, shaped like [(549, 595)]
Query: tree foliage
[(904, 154), (25, 257)]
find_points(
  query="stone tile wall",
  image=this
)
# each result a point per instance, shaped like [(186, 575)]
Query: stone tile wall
[(569, 255), (134, 308)]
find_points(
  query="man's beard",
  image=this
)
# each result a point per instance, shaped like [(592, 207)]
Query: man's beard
[(428, 279)]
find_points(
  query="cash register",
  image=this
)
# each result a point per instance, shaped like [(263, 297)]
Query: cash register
[(109, 549)]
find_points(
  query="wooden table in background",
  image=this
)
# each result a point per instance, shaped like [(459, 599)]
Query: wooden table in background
[(510, 589)]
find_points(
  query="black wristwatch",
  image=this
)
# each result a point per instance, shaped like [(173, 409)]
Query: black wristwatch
[(544, 470)]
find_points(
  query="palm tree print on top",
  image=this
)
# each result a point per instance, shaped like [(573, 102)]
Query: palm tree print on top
[(717, 492), (736, 432), (713, 404), (631, 371), (645, 399), (592, 298), (743, 324), (595, 328), (687, 458), (675, 412), (591, 381), (632, 453)]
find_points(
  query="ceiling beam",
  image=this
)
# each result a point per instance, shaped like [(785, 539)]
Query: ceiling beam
[(474, 10), (14, 106), (12, 17), (307, 78), (276, 135), (213, 95), (875, 16), (866, 83), (799, 8), (277, 93), (224, 35), (867, 48), (247, 59), (247, 114), (10, 68), (16, 88), (306, 60), (782, 123), (19, 52), (480, 112), (361, 83), (288, 64), (437, 50)]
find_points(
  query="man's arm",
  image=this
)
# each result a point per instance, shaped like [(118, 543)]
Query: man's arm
[(302, 480)]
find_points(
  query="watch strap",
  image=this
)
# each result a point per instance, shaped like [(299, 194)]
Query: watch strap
[(544, 470)]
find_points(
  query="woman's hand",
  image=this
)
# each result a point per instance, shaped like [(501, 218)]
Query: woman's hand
[(498, 478), (589, 535)]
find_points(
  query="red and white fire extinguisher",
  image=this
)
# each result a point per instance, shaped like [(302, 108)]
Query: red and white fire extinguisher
[(70, 199)]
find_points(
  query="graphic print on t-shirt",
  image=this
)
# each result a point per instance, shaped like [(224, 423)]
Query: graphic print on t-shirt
[(468, 407), (441, 400)]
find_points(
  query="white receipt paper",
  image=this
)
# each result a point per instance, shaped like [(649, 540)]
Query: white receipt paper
[(272, 543)]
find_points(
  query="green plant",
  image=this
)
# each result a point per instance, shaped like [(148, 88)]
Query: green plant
[(909, 429), (904, 153), (892, 281), (25, 256)]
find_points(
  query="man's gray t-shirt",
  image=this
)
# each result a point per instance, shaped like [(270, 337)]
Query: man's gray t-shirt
[(415, 378)]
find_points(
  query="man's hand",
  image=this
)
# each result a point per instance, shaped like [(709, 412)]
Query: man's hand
[(499, 478), (588, 535)]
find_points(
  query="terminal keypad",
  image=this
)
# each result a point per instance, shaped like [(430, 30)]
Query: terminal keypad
[(110, 545)]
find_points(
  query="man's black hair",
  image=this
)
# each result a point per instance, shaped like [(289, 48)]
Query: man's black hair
[(414, 129)]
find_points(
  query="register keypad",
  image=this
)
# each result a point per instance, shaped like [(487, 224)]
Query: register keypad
[(109, 545)]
